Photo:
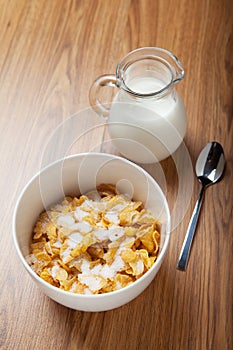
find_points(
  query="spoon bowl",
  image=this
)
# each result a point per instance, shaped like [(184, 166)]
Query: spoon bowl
[(210, 164)]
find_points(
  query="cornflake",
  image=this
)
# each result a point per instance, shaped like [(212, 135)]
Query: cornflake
[(94, 244)]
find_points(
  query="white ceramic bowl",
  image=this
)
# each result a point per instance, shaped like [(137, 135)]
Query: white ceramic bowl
[(75, 175)]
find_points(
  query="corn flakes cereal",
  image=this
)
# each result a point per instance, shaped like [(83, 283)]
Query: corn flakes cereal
[(94, 244)]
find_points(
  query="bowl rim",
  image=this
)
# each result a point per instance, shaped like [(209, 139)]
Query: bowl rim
[(90, 296)]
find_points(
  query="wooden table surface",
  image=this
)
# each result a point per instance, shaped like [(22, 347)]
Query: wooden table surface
[(50, 53)]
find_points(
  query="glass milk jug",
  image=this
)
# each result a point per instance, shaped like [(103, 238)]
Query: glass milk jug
[(147, 118)]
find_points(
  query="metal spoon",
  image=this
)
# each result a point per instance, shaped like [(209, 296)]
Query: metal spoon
[(209, 168)]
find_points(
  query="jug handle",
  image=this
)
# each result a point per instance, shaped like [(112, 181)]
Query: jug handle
[(103, 80)]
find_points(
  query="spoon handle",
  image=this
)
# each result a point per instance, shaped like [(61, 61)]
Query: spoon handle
[(185, 250)]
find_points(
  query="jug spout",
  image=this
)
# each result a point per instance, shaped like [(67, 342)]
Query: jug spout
[(178, 70)]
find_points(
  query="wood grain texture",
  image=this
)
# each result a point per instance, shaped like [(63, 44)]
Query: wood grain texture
[(50, 53)]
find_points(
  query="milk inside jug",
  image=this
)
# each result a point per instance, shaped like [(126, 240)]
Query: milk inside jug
[(147, 117)]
